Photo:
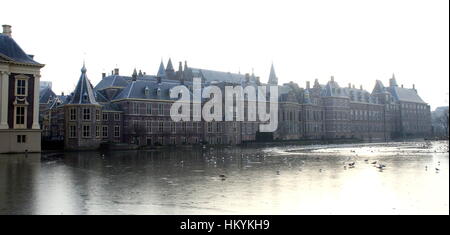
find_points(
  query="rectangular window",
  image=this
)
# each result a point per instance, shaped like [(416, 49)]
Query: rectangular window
[(160, 109), (105, 117), (161, 127), (209, 127), (97, 131), (149, 109), (116, 131), (72, 131), (97, 115), (21, 139), (194, 127), (116, 117), (73, 114), (149, 126), (173, 128), (135, 108), (218, 128), (86, 131), (105, 131), (20, 116), (86, 114), (21, 87)]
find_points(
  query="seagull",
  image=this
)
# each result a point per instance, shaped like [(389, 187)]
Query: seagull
[(351, 164)]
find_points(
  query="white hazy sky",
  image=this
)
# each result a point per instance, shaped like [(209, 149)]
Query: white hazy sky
[(354, 40)]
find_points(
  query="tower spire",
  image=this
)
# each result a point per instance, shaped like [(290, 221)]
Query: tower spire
[(273, 79)]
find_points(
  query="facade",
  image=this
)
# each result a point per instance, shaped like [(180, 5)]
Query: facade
[(135, 110), (19, 97)]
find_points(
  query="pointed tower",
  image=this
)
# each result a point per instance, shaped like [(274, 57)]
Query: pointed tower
[(392, 81), (273, 79), (170, 72), (82, 117), (134, 75), (161, 70)]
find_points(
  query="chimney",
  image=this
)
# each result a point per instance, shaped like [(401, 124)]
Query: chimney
[(7, 30), (180, 66), (307, 84), (247, 77), (349, 85), (31, 56), (414, 86), (62, 93), (103, 75), (402, 85), (360, 87), (116, 71), (332, 78), (353, 86)]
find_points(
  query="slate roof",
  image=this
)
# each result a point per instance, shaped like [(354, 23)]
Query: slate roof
[(405, 94), (84, 92), (45, 95), (112, 81), (147, 89), (218, 76), (11, 51), (273, 79), (161, 70)]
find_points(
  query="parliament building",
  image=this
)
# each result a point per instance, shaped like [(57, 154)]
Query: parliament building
[(134, 110)]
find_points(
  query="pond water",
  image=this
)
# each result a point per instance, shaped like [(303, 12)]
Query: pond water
[(317, 179)]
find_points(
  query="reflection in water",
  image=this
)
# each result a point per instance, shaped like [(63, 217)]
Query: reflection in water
[(266, 180)]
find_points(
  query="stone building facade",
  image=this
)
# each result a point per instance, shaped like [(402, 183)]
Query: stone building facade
[(136, 110), (19, 97)]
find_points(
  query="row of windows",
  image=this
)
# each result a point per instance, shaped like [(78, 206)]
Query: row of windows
[(149, 109), (86, 131), (86, 115), (309, 115)]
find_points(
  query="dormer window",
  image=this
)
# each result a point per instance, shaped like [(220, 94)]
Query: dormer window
[(158, 92), (85, 97), (146, 91)]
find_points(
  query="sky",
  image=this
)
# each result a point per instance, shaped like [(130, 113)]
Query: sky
[(356, 41)]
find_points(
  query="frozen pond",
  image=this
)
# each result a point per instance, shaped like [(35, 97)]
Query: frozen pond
[(317, 179)]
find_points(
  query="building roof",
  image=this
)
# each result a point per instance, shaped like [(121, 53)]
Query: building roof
[(147, 89), (11, 51), (161, 70), (273, 79), (405, 94), (112, 81), (218, 76), (45, 95), (84, 92)]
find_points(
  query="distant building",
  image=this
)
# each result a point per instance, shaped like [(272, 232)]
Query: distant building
[(19, 97), (440, 121), (135, 110), (45, 84)]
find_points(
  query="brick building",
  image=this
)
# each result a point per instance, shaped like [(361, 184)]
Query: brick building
[(136, 110)]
